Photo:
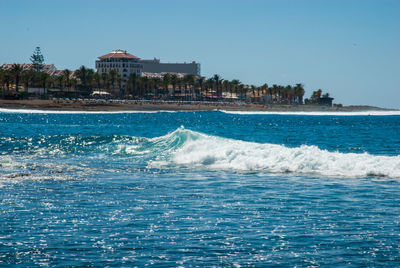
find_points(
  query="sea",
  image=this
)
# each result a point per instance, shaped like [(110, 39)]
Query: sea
[(199, 189)]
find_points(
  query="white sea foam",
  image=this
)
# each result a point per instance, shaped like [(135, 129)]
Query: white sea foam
[(34, 111), (328, 113), (28, 168), (204, 151)]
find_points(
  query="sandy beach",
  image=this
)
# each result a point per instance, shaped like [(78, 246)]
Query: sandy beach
[(90, 105)]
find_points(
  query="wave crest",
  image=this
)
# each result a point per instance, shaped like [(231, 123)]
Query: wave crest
[(212, 152)]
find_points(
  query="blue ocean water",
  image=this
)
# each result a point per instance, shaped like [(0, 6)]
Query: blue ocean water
[(199, 189)]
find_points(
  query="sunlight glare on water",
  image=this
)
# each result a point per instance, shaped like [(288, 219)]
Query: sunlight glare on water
[(199, 189)]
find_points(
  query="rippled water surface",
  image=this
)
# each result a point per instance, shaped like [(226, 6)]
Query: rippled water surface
[(199, 189)]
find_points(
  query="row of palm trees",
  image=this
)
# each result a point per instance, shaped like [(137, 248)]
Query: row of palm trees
[(189, 87), (17, 79)]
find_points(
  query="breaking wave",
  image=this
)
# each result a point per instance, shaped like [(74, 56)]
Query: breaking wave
[(194, 149), (184, 148)]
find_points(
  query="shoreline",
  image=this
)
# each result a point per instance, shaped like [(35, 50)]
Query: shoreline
[(148, 106)]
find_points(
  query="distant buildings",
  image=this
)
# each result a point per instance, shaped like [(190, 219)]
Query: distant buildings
[(48, 68), (126, 64), (155, 66), (122, 62)]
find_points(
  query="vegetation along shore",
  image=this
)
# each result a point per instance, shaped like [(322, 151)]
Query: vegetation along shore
[(40, 86)]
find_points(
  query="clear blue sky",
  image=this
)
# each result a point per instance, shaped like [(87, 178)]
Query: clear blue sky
[(349, 48)]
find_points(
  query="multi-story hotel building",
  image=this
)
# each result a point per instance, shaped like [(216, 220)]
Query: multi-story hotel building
[(126, 64), (120, 61)]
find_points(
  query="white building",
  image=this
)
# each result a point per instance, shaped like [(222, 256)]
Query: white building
[(126, 64), (119, 60)]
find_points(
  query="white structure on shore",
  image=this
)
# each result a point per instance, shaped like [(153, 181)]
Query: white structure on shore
[(120, 61), (125, 64)]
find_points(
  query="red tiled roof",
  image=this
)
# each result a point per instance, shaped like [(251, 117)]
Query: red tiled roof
[(28, 66), (118, 54)]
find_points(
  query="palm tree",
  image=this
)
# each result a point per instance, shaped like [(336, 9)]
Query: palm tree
[(200, 83), (157, 82), (113, 77), (253, 90), (66, 74), (166, 81), (225, 86), (174, 82), (145, 84), (16, 71), (235, 84), (299, 91), (89, 79), (264, 88), (280, 90), (241, 90), (106, 81), (81, 74), (275, 93), (97, 79), (44, 77), (210, 86), (218, 80), (73, 83), (188, 82), (2, 80), (119, 81), (288, 93), (60, 80)]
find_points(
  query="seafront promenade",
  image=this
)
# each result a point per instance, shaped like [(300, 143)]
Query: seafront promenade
[(160, 105)]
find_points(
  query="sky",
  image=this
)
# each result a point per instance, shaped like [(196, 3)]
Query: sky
[(349, 48)]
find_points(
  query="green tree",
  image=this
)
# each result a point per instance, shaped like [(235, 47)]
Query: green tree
[(89, 78), (43, 80), (218, 80), (166, 81), (235, 84), (119, 82), (316, 95), (132, 83), (113, 77), (37, 60), (2, 80), (299, 91), (225, 86), (81, 74), (97, 80), (106, 80), (7, 79), (16, 71), (60, 82), (210, 87), (174, 82), (67, 75), (200, 84), (188, 81), (253, 90)]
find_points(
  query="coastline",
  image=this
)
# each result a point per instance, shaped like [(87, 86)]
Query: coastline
[(126, 106)]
